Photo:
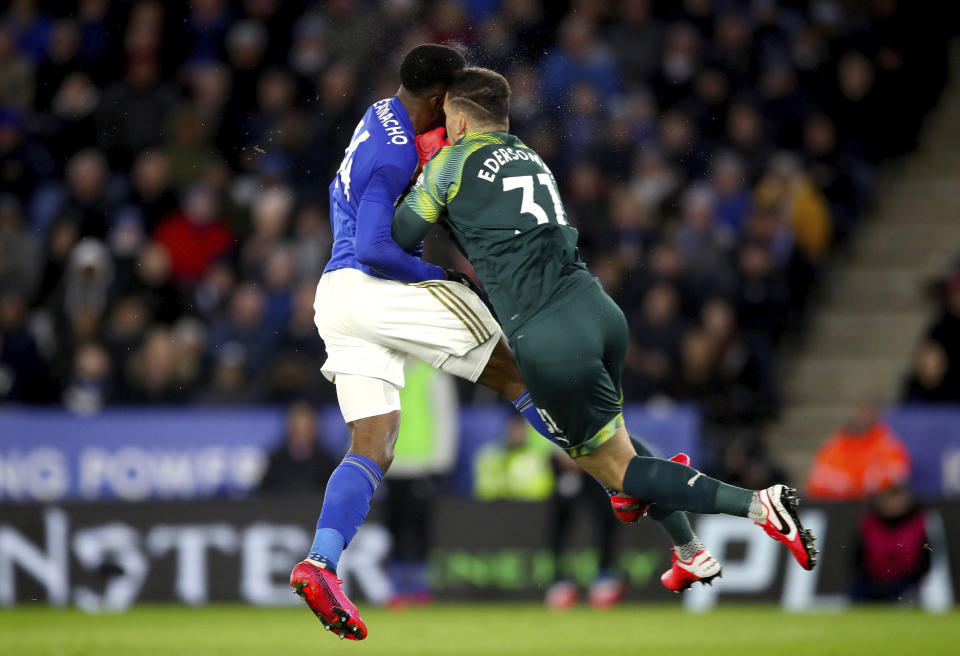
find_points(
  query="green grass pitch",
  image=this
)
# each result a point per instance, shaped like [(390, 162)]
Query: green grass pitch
[(451, 629)]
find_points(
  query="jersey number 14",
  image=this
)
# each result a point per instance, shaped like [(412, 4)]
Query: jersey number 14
[(343, 173), (530, 206)]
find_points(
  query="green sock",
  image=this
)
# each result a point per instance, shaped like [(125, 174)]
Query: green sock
[(673, 486), (674, 522)]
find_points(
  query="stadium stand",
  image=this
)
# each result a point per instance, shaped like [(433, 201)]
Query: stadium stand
[(164, 168), (876, 315)]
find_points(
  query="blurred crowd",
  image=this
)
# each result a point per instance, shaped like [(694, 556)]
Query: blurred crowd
[(164, 170), (935, 373)]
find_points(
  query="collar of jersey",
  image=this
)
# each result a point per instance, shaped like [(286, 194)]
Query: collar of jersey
[(401, 112), (489, 137)]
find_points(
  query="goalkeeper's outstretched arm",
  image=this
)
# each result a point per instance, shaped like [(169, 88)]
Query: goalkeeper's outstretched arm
[(422, 207)]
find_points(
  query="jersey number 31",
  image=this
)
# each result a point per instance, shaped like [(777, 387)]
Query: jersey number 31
[(527, 203)]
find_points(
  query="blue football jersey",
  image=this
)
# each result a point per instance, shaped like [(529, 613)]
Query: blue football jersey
[(378, 164)]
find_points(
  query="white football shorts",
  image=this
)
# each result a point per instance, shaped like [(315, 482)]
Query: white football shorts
[(370, 325)]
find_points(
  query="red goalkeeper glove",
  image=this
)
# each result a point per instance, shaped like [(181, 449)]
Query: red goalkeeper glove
[(430, 143)]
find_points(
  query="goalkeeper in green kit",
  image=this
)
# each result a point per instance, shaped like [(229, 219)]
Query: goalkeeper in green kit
[(502, 207)]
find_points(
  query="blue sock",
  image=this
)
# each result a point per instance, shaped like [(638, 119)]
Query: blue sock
[(346, 503), (524, 404)]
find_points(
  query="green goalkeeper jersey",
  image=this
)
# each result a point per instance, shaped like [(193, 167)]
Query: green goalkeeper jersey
[(501, 204)]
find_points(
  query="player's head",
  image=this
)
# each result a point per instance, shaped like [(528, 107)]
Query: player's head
[(478, 100), (425, 74)]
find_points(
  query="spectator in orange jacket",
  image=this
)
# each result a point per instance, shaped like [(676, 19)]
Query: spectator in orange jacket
[(860, 460)]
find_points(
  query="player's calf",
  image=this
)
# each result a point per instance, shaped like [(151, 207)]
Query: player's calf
[(631, 509)]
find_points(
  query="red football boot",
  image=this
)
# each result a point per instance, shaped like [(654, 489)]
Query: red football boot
[(783, 525), (562, 595), (606, 592), (320, 588), (682, 574), (632, 509)]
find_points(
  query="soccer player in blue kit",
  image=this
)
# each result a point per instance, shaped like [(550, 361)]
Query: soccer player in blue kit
[(377, 303)]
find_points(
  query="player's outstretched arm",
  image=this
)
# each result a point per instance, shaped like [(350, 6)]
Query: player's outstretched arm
[(421, 208), (375, 246), (409, 228)]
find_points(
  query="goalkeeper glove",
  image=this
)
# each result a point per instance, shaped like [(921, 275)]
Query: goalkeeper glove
[(430, 143)]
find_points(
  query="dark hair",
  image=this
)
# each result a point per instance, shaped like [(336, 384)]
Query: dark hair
[(482, 93), (428, 66)]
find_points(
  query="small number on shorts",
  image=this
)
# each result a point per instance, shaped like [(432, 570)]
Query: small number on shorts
[(548, 420)]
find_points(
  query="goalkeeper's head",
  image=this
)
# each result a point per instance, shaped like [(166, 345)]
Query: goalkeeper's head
[(425, 75), (478, 100)]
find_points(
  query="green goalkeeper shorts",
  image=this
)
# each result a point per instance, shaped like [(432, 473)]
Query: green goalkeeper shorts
[(571, 356)]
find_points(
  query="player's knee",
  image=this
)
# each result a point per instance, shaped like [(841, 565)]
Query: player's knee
[(375, 437), (377, 446), (371, 407), (386, 458)]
